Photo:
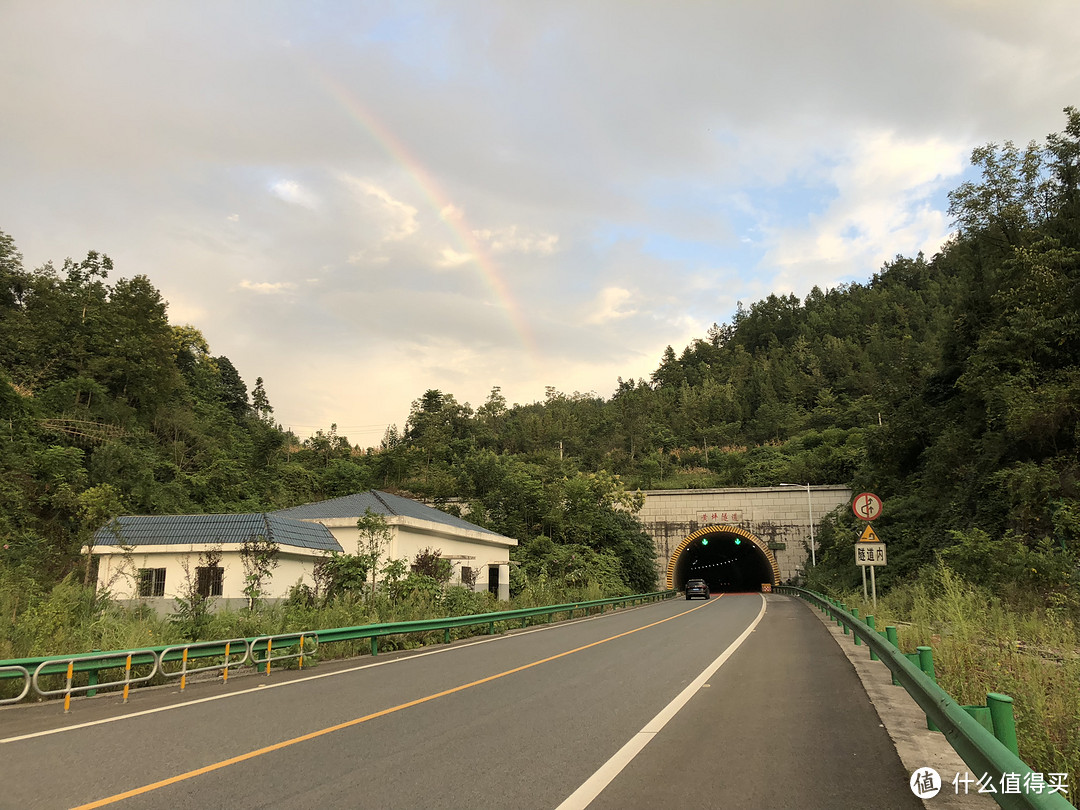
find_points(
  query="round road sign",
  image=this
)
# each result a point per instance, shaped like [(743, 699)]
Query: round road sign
[(866, 506)]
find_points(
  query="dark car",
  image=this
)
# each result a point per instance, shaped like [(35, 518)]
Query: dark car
[(697, 587)]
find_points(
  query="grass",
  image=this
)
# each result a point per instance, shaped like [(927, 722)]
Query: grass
[(72, 619), (984, 642)]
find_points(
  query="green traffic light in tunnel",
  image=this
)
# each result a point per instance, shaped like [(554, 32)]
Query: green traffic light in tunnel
[(738, 541), (705, 541)]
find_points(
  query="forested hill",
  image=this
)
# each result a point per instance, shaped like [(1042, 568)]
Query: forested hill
[(950, 386)]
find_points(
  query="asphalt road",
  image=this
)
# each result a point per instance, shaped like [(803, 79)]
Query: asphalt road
[(566, 715)]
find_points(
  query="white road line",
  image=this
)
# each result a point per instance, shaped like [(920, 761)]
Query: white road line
[(595, 784), (264, 686)]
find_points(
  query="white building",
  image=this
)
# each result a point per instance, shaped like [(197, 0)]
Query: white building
[(153, 559), (415, 526)]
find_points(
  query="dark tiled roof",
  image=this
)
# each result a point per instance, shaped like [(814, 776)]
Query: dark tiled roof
[(146, 530), (381, 503)]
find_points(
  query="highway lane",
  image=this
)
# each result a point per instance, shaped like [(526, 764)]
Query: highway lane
[(521, 720), (785, 724)]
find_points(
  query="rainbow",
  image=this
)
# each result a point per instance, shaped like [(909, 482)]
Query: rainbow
[(438, 199)]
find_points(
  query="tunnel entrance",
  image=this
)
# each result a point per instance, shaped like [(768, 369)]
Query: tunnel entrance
[(728, 558)]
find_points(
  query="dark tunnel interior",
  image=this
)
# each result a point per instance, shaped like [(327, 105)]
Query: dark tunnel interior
[(727, 562)]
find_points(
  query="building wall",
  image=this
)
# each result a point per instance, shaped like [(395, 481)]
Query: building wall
[(117, 573), (409, 536), (779, 516)]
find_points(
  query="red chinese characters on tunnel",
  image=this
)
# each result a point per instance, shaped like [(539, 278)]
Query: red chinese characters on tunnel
[(723, 517)]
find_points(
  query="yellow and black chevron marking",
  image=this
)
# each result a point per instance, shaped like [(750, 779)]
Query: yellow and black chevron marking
[(715, 530)]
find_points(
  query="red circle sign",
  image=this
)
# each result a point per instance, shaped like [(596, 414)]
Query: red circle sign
[(866, 506)]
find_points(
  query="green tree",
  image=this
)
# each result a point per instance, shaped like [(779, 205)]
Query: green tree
[(373, 538), (259, 556)]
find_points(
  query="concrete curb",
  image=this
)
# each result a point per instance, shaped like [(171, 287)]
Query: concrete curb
[(905, 722)]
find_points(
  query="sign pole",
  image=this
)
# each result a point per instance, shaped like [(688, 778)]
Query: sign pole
[(873, 586), (864, 567)]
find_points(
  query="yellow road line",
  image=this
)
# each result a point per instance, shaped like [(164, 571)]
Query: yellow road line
[(172, 780)]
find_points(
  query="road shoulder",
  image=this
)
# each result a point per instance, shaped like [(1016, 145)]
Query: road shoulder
[(905, 722)]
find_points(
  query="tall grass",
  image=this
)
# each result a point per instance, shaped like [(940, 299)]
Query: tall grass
[(984, 643), (73, 619)]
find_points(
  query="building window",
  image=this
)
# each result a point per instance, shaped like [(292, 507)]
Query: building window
[(151, 582), (209, 580)]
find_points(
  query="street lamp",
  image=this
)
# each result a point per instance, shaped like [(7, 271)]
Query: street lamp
[(810, 507)]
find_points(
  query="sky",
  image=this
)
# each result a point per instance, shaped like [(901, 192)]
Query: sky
[(361, 201)]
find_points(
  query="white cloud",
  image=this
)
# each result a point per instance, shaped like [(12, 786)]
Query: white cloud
[(266, 287), (451, 212), (448, 257), (292, 192), (513, 240), (397, 218), (609, 306), (884, 188)]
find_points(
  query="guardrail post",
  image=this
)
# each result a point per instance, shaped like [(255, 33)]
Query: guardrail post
[(870, 623), (67, 693), (374, 645), (858, 641), (843, 606), (446, 636), (926, 664), (1001, 714), (894, 639), (127, 677)]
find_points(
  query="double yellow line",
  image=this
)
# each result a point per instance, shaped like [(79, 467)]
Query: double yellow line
[(216, 766)]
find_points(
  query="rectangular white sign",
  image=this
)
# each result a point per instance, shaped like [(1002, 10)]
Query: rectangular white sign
[(870, 554)]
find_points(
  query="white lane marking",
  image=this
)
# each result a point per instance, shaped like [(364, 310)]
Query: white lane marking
[(264, 686), (595, 784)]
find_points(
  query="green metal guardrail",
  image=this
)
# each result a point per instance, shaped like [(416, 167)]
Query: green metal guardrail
[(258, 651), (978, 747)]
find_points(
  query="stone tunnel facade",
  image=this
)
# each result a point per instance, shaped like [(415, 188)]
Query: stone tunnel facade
[(778, 516)]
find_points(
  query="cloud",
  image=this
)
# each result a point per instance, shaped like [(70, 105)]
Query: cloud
[(514, 240), (266, 287), (885, 192), (448, 258), (397, 218), (292, 192), (608, 306)]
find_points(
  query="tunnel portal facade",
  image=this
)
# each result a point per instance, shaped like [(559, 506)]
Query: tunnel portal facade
[(728, 558), (776, 522)]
